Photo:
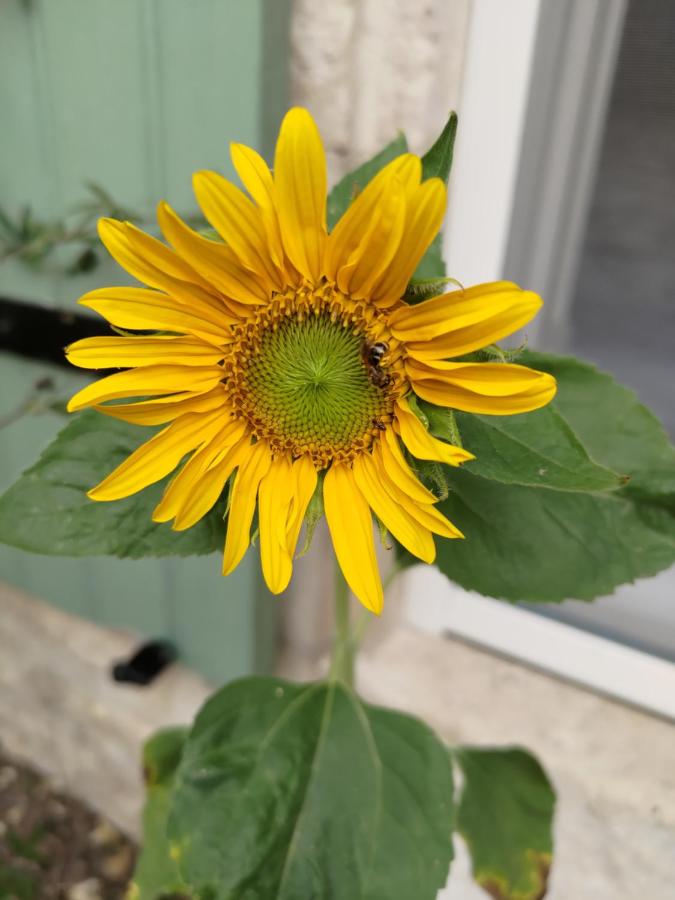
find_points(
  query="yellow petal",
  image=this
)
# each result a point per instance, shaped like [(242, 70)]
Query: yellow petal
[(393, 515), (435, 316), (154, 264), (425, 208), (208, 489), (144, 252), (216, 262), (489, 388), (183, 497), (424, 514), (138, 308), (124, 352), (257, 179), (254, 173), (351, 528), (158, 412), (158, 456), (461, 322), (242, 504), (388, 455), (150, 381), (429, 517), (379, 243), (209, 485), (355, 221), (306, 477), (300, 188), (274, 503), (422, 444), (239, 223)]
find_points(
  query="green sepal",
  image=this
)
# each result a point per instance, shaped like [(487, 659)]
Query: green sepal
[(421, 289), (416, 406), (495, 353), (313, 515), (505, 815), (437, 161), (432, 475), (441, 422), (385, 538)]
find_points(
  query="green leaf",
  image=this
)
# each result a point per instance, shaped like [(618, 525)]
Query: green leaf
[(288, 791), (616, 429), (47, 510), (547, 546), (537, 449), (505, 816), (437, 161), (156, 874), (354, 182), (532, 543)]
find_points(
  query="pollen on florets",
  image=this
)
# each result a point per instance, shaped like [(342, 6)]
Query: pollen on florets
[(302, 372)]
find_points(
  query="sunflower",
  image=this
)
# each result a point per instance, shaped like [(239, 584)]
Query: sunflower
[(283, 360)]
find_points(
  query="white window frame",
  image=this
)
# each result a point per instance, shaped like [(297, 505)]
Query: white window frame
[(537, 80)]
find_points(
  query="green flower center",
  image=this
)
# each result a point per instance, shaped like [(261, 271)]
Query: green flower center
[(305, 376), (310, 384)]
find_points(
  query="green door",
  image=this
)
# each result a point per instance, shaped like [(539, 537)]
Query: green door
[(133, 95)]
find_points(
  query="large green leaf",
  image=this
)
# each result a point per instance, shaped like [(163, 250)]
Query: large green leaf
[(546, 546), (613, 425), (287, 792), (537, 449), (47, 510), (354, 182), (156, 873), (505, 816), (537, 544)]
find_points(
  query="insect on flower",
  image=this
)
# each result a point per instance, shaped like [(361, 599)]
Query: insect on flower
[(372, 355)]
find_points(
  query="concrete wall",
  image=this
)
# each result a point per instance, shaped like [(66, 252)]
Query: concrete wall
[(367, 68)]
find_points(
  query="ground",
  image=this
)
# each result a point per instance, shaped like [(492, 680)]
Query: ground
[(52, 846)]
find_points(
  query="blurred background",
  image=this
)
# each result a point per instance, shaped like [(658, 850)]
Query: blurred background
[(564, 180)]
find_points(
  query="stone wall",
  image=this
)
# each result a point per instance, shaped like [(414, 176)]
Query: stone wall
[(367, 68)]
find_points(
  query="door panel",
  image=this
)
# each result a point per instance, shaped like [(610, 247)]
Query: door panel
[(134, 95)]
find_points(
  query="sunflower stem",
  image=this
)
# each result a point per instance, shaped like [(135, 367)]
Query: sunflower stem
[(344, 647)]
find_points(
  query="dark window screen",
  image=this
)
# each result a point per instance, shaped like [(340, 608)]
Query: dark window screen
[(623, 313), (624, 305)]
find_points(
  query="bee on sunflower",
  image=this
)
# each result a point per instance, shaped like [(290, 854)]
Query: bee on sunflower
[(285, 361)]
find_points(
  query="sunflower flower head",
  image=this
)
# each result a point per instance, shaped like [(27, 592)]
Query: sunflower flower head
[(283, 361)]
